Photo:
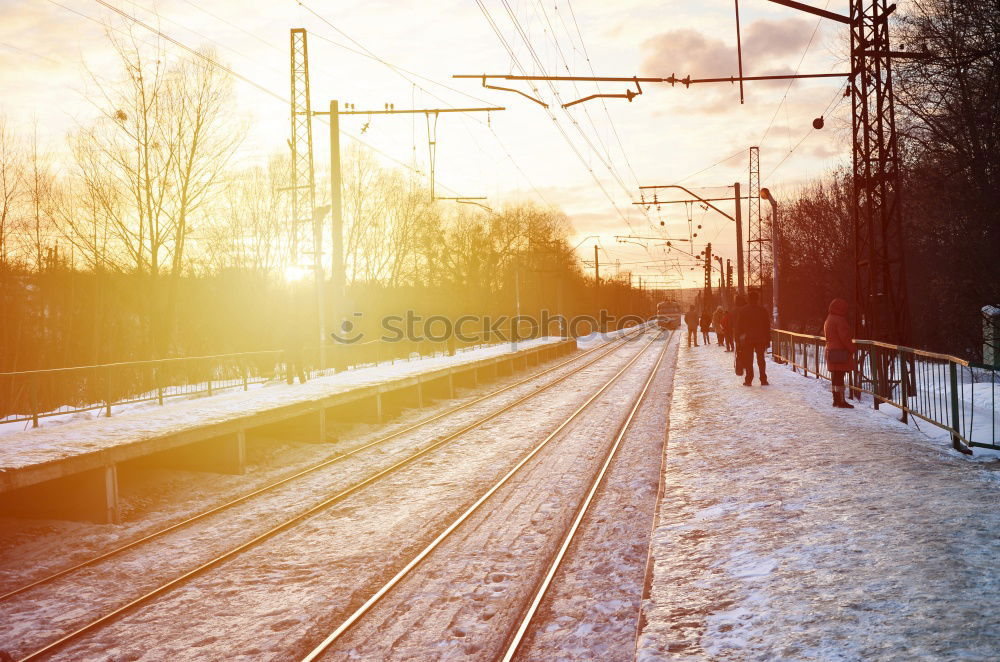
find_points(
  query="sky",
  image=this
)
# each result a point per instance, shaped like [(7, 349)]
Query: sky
[(589, 160)]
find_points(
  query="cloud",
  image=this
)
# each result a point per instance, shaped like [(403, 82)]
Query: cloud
[(766, 39), (766, 43), (685, 51)]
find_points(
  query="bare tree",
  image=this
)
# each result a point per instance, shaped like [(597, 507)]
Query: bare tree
[(11, 188), (165, 136), (39, 186), (247, 229)]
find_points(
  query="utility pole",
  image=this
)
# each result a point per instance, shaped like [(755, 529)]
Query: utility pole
[(339, 277), (597, 269), (320, 280), (597, 285), (722, 279), (876, 209), (515, 326), (301, 138), (729, 280), (755, 235), (707, 304), (880, 274), (739, 241), (336, 181), (775, 318)]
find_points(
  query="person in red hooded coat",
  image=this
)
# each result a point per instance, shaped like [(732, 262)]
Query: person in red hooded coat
[(839, 349)]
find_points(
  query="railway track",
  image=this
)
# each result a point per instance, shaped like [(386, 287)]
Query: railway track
[(529, 619), (600, 351), (525, 622)]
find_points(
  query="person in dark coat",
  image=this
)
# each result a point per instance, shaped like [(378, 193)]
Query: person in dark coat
[(739, 303), (691, 320), (706, 326), (717, 324), (753, 327), (839, 350), (727, 329)]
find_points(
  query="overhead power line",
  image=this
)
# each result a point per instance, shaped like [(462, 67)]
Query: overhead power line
[(516, 61), (792, 81), (839, 96), (408, 75), (205, 57)]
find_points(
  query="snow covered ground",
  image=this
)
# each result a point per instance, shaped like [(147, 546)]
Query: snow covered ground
[(465, 599), (791, 530), (81, 433), (274, 600)]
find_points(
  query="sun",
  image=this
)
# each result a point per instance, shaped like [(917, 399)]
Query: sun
[(294, 274)]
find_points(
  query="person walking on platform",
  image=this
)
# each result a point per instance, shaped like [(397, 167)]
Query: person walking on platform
[(727, 329), (691, 319), (753, 325), (839, 350), (717, 325), (739, 304), (706, 325)]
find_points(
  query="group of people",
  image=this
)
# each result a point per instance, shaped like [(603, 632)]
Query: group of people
[(744, 329)]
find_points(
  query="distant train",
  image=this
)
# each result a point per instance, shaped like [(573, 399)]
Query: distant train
[(668, 315)]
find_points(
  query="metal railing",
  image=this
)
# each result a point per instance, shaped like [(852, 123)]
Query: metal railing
[(35, 394), (957, 396)]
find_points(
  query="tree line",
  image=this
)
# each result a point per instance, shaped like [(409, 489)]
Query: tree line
[(948, 118), (148, 236)]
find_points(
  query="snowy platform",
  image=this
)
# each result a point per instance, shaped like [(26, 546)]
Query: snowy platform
[(75, 463), (792, 530)]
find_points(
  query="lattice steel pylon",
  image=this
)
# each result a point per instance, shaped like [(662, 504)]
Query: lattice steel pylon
[(755, 231), (880, 275), (303, 175)]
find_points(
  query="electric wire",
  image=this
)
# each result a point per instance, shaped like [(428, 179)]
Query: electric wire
[(25, 51), (160, 17), (792, 80), (590, 65), (541, 67), (406, 74), (238, 76), (516, 61), (611, 122), (707, 168), (838, 97)]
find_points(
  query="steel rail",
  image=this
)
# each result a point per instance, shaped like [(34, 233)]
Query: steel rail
[(287, 524), (423, 554), (598, 479), (287, 479)]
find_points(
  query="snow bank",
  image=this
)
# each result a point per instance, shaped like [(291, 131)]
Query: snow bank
[(598, 337), (792, 530)]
